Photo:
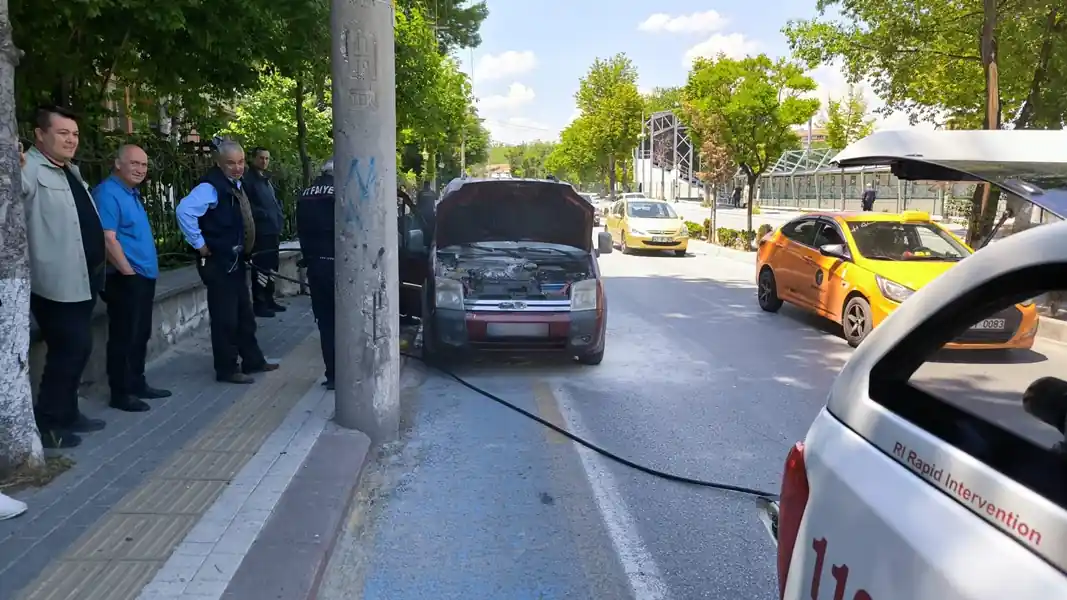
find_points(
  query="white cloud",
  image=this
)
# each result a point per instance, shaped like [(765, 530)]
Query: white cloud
[(700, 22), (733, 45), (833, 86), (517, 130), (507, 64), (518, 95)]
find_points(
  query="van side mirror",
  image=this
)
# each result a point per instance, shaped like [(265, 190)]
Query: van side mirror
[(835, 251), (603, 243)]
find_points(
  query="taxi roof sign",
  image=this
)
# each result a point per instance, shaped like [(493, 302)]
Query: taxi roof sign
[(915, 216)]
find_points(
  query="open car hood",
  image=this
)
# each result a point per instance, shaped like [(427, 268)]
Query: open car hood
[(1019, 162), (515, 210)]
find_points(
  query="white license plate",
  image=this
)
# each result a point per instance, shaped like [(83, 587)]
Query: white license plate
[(990, 324), (662, 240), (516, 330)]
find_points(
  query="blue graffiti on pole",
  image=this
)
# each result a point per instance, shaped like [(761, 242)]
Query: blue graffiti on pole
[(363, 183)]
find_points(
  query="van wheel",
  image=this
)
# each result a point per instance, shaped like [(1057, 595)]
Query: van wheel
[(767, 291), (592, 359), (856, 323)]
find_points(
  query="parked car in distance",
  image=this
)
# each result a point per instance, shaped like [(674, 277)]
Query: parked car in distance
[(591, 199), (643, 224), (513, 267)]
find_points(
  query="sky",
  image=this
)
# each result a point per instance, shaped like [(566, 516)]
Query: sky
[(532, 55)]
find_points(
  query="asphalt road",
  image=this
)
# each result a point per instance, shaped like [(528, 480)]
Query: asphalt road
[(478, 502)]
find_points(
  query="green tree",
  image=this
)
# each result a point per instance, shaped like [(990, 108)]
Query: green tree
[(754, 104), (611, 109), (267, 117), (573, 159), (458, 22), (663, 99), (847, 120), (933, 58)]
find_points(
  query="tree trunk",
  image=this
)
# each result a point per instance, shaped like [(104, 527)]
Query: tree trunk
[(302, 133), (984, 201), (20, 442), (751, 177), (709, 197), (611, 177), (1021, 210)]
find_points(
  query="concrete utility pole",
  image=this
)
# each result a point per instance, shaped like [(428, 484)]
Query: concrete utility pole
[(367, 286)]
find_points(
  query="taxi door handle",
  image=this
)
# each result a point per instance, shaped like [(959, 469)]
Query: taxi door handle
[(811, 261)]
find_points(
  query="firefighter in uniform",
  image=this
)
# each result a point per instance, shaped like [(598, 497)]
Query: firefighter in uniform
[(315, 229)]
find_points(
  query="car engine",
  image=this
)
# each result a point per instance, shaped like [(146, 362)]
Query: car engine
[(506, 277)]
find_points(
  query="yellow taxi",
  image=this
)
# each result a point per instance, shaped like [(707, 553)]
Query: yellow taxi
[(856, 268), (646, 224)]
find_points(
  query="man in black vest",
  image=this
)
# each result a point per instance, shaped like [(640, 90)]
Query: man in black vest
[(315, 228), (270, 220), (216, 220)]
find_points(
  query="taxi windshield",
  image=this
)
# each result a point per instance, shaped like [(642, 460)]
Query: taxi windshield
[(888, 240), (650, 210)]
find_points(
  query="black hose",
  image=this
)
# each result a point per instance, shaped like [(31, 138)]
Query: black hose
[(737, 489)]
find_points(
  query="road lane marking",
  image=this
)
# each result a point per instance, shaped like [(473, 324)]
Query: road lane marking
[(641, 570), (548, 409)]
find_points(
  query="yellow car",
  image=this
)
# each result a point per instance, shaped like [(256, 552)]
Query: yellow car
[(646, 224), (856, 268)]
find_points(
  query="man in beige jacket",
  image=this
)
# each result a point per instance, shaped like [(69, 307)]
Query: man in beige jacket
[(67, 266)]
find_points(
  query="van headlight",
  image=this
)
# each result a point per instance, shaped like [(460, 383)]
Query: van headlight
[(893, 290), (583, 295), (448, 293)]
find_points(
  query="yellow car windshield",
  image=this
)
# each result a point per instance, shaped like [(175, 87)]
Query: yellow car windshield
[(888, 240), (650, 210)]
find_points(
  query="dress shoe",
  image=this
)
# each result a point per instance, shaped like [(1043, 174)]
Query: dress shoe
[(264, 368), (277, 307), (263, 313), (240, 378), (128, 403), (150, 393), (84, 424)]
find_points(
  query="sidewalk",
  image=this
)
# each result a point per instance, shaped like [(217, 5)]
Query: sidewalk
[(150, 481)]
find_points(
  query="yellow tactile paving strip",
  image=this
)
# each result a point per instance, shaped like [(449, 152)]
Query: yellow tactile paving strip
[(121, 553)]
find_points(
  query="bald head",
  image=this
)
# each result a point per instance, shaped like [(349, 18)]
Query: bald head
[(230, 157), (131, 164)]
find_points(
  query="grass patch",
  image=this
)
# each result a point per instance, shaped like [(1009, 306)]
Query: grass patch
[(24, 478)]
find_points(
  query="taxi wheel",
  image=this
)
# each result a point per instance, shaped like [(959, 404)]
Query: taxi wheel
[(856, 323), (767, 291), (679, 252), (622, 245)]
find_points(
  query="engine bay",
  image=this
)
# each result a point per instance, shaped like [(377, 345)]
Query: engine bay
[(504, 275)]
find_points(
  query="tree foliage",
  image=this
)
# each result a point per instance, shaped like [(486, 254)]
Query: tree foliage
[(611, 110), (457, 21), (753, 105), (663, 99), (267, 117), (922, 56), (847, 119)]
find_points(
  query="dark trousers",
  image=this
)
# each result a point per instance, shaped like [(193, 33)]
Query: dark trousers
[(320, 284), (264, 256), (129, 301), (66, 328), (233, 326)]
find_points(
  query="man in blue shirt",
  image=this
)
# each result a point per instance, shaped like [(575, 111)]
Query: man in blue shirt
[(216, 219), (131, 280)]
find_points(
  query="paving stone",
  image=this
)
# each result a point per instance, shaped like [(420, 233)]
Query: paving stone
[(158, 467)]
